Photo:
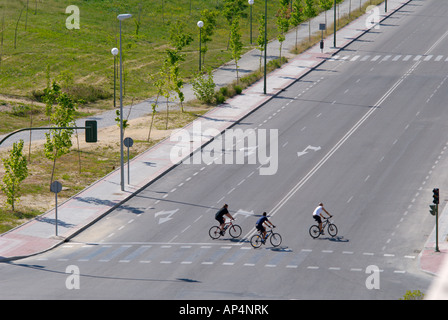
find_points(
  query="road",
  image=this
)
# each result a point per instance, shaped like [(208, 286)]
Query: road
[(363, 134)]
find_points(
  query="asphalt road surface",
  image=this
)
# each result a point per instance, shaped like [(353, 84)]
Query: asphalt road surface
[(364, 134)]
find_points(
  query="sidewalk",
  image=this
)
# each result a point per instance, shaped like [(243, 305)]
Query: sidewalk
[(97, 200), (430, 260)]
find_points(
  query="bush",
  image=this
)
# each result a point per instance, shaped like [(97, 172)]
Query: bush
[(204, 87), (413, 295), (23, 110), (81, 93)]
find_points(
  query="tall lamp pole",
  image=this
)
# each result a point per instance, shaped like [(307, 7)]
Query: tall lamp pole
[(334, 25), (114, 52), (121, 17), (200, 24), (265, 41), (251, 2)]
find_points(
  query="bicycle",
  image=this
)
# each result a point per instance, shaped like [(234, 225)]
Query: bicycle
[(257, 239), (331, 228), (234, 230)]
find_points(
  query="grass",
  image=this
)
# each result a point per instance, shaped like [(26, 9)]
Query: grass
[(42, 40), (75, 171)]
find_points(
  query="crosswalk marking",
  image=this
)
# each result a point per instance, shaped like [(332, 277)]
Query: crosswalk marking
[(211, 255), (389, 58)]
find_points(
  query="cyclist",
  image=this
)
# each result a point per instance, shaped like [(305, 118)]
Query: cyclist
[(219, 216), (260, 227), (317, 215)]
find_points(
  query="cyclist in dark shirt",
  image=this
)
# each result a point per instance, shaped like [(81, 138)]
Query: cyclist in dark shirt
[(219, 216), (260, 227)]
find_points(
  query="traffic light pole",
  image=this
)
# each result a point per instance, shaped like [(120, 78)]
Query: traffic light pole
[(42, 128), (437, 228), (434, 210)]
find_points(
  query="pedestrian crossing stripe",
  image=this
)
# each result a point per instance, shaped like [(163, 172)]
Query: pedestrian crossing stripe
[(231, 255), (390, 58)]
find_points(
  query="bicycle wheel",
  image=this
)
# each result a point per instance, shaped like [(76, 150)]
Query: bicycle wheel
[(332, 230), (314, 231), (214, 232), (276, 239), (255, 241), (235, 231)]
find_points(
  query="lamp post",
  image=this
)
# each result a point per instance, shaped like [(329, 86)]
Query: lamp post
[(200, 24), (251, 2), (265, 41), (114, 52), (334, 25), (121, 17)]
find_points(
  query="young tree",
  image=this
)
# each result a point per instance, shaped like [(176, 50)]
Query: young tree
[(297, 16), (260, 38), (158, 83), (166, 78), (233, 9), (58, 141), (326, 5), (235, 44), (16, 171), (209, 19), (283, 16), (179, 39), (310, 12)]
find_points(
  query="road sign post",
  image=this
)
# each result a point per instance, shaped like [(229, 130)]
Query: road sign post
[(128, 142), (56, 187), (322, 28)]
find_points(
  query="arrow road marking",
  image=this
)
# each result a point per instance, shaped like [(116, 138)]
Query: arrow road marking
[(299, 154), (244, 213), (168, 215)]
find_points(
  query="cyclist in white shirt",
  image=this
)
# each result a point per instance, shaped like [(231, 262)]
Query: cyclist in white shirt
[(317, 215)]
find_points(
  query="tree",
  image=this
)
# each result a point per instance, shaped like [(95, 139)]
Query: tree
[(58, 141), (297, 15), (209, 19), (310, 12), (179, 39), (325, 5), (236, 45), (167, 86), (283, 16), (260, 38), (233, 9), (16, 171), (158, 83)]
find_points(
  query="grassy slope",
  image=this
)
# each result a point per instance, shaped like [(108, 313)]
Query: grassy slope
[(85, 53)]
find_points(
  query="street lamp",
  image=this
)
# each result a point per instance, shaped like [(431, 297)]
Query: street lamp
[(200, 24), (265, 41), (114, 52), (251, 2), (121, 17), (334, 24)]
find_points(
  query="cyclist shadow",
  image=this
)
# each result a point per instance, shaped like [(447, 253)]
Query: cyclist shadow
[(280, 249), (339, 239)]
